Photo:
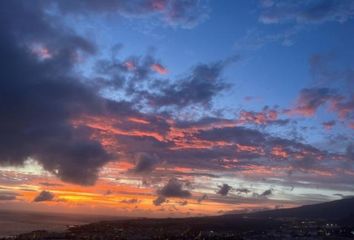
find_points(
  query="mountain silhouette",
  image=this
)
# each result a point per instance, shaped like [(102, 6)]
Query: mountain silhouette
[(335, 210)]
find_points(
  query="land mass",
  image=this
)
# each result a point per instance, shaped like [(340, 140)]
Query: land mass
[(331, 220)]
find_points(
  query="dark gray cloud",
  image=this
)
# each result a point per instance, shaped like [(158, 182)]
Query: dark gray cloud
[(38, 103), (242, 190), (145, 163), (136, 77), (329, 124), (159, 200), (224, 189), (240, 135), (199, 87), (174, 188), (44, 196), (314, 11), (129, 74), (267, 193)]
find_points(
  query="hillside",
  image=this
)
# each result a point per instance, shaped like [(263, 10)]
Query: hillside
[(336, 210)]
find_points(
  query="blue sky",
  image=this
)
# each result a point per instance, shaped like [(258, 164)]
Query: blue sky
[(269, 69), (154, 102)]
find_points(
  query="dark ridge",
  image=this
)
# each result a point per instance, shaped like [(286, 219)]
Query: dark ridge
[(342, 210)]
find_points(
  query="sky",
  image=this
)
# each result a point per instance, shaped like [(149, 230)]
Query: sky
[(175, 108)]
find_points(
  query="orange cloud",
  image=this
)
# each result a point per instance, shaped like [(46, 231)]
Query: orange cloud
[(129, 65), (159, 68), (279, 152)]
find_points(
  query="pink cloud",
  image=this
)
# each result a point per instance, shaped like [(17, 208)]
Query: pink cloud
[(41, 51), (159, 68), (310, 99), (129, 65), (159, 5), (265, 116)]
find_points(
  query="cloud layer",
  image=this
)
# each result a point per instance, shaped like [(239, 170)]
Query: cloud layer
[(139, 133)]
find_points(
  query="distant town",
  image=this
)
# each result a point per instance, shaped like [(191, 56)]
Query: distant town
[(331, 220), (176, 229)]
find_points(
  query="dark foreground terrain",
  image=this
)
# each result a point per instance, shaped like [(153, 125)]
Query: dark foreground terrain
[(17, 222), (332, 220)]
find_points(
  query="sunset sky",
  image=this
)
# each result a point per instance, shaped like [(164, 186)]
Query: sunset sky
[(161, 108)]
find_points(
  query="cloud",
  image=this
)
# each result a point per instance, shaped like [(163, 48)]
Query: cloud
[(306, 12), (174, 188), (159, 200), (267, 193), (334, 91), (129, 73), (48, 112), (243, 190), (44, 196), (52, 102), (329, 124), (175, 13), (326, 70), (267, 116), (344, 108), (202, 198), (48, 184), (183, 203), (350, 152), (108, 192), (310, 99), (250, 145), (46, 96), (42, 52), (159, 68), (134, 77), (213, 143), (145, 163), (297, 16), (8, 196), (199, 87), (240, 135), (188, 13), (224, 189), (130, 201)]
